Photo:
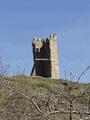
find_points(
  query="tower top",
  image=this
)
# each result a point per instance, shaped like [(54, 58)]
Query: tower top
[(40, 40), (53, 36)]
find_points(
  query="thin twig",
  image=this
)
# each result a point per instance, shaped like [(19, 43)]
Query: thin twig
[(82, 73)]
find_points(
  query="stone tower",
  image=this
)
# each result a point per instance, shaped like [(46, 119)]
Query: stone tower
[(45, 55)]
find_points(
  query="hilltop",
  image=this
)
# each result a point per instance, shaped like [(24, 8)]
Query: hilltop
[(38, 98)]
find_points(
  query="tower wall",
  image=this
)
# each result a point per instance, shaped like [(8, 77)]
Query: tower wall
[(54, 56)]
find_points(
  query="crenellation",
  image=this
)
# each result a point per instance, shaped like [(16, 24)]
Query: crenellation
[(53, 36), (39, 41)]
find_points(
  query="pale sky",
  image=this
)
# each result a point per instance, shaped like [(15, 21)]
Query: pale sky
[(21, 20)]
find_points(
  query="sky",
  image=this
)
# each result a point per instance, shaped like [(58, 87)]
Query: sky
[(21, 20)]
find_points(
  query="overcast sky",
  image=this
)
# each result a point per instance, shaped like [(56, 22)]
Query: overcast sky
[(21, 20)]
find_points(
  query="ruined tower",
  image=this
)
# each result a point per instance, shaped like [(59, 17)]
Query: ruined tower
[(45, 55)]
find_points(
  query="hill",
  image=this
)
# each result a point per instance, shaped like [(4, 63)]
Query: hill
[(37, 98)]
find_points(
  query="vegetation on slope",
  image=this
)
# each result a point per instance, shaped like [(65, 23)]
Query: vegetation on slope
[(28, 98)]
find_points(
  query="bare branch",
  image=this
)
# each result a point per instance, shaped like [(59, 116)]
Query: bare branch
[(82, 73)]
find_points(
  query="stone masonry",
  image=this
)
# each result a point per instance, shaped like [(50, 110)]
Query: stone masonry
[(45, 55)]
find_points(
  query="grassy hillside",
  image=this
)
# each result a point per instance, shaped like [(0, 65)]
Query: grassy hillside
[(26, 98)]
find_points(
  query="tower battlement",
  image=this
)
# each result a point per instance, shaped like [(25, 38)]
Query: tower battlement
[(45, 57), (41, 41)]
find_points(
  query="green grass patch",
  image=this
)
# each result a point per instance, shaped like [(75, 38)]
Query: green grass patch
[(48, 84)]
